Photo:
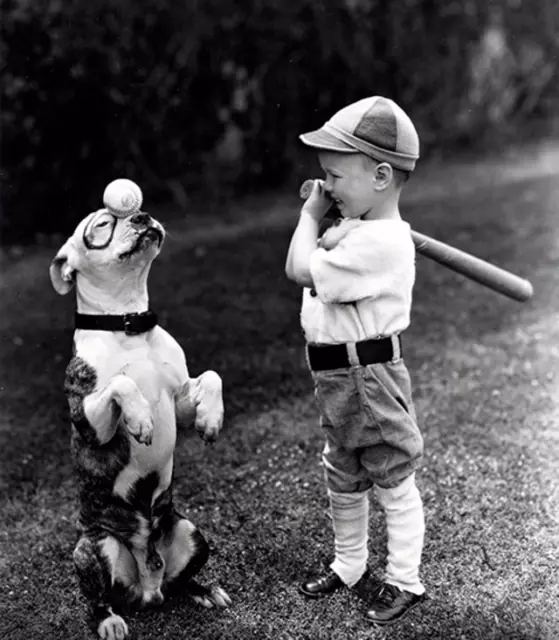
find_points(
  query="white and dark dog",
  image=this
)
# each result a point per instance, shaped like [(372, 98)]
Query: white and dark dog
[(128, 388)]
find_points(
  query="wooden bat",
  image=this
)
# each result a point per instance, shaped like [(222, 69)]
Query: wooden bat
[(466, 264)]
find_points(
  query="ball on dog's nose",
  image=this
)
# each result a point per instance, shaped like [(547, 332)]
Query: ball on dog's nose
[(122, 197)]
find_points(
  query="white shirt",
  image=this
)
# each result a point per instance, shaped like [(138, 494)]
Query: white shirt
[(363, 285)]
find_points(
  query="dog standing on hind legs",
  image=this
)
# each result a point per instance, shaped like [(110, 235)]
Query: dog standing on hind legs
[(128, 388)]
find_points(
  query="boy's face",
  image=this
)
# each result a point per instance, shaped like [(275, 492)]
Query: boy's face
[(351, 182)]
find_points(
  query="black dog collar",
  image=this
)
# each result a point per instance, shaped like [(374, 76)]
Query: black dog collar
[(131, 323)]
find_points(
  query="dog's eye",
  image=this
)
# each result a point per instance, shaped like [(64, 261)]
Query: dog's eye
[(99, 232)]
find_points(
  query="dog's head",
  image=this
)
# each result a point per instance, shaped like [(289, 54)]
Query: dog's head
[(105, 251)]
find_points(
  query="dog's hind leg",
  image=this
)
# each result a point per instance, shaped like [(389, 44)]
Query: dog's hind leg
[(99, 562), (186, 551)]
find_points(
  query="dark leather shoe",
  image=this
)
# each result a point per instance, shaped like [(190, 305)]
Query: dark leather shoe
[(323, 586), (391, 604)]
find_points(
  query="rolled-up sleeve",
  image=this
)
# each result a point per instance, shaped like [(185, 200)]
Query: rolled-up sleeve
[(362, 265)]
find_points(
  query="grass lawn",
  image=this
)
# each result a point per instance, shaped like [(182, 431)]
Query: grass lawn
[(486, 377)]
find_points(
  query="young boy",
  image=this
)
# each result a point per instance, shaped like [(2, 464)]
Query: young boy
[(357, 297)]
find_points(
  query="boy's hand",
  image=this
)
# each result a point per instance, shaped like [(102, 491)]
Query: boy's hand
[(318, 203), (334, 234)]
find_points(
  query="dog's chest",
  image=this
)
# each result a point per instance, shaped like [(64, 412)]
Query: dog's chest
[(158, 380), (157, 372)]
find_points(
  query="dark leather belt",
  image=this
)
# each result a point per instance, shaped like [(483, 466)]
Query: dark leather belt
[(335, 356)]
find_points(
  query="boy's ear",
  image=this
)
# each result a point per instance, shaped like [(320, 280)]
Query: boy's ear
[(383, 175)]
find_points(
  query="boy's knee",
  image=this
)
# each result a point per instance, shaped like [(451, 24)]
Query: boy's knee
[(347, 500), (389, 494), (342, 482)]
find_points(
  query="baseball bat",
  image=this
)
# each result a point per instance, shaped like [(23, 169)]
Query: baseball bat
[(485, 273)]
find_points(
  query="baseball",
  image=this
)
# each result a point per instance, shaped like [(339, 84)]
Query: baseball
[(123, 197)]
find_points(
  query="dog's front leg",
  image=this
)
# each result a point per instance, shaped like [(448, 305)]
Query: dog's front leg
[(200, 401), (135, 410), (96, 412)]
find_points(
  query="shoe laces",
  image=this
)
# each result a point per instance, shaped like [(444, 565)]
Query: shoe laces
[(324, 580), (387, 594)]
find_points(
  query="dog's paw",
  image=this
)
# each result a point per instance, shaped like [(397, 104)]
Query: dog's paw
[(208, 424), (112, 628), (139, 422), (141, 430), (136, 413), (215, 597), (220, 597), (209, 406)]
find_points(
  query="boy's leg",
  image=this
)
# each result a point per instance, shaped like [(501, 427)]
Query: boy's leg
[(391, 463), (350, 520), (402, 589), (405, 527), (349, 508)]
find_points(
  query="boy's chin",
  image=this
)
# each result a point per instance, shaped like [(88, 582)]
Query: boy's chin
[(349, 215), (340, 210)]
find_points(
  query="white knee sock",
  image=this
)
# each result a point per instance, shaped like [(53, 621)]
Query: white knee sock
[(405, 528), (350, 518)]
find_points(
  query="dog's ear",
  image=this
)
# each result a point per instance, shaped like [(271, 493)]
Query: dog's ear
[(62, 272)]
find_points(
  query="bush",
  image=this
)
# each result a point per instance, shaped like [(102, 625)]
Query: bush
[(200, 95)]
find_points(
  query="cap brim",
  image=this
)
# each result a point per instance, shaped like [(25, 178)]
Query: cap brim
[(321, 139)]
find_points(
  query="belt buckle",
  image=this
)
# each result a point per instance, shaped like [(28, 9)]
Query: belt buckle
[(396, 348), (352, 355)]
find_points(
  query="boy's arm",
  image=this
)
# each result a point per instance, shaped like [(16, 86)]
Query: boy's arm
[(303, 242), (366, 262)]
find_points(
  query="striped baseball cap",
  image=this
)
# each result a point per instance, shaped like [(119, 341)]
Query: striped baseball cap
[(375, 126)]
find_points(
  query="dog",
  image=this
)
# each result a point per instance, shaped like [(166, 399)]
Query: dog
[(128, 388)]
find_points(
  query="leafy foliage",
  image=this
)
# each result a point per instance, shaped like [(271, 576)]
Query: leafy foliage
[(191, 96)]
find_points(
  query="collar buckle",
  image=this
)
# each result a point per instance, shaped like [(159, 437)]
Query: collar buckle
[(135, 323), (128, 324)]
